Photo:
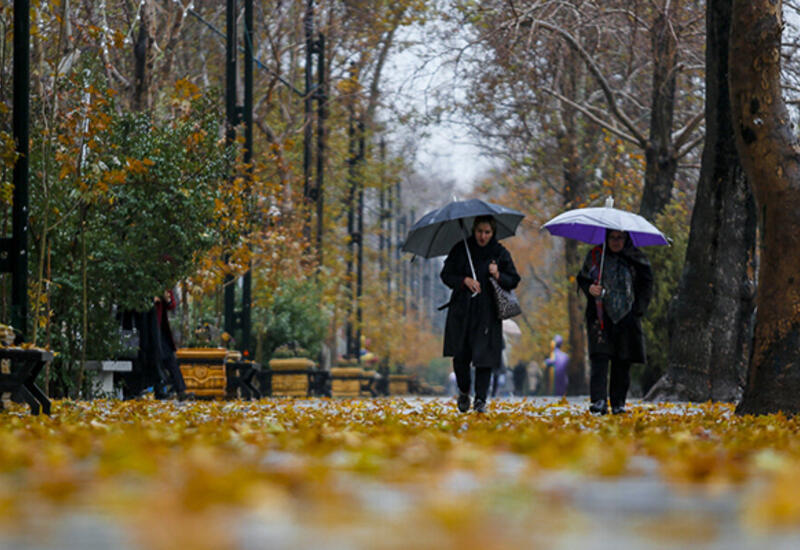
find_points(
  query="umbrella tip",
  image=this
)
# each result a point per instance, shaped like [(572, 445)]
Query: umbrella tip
[(609, 202)]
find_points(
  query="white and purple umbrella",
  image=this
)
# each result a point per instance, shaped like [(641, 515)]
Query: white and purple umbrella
[(589, 225)]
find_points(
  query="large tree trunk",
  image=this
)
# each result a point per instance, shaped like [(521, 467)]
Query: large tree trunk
[(569, 146), (660, 153), (769, 152), (711, 318)]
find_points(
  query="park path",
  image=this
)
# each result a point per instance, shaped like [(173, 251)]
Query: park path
[(489, 498)]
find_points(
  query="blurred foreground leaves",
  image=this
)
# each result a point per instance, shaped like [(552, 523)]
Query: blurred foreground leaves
[(161, 468)]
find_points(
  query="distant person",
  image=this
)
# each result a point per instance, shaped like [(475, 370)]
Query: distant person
[(155, 363), (473, 333), (558, 361), (614, 309), (519, 375), (172, 382), (498, 384)]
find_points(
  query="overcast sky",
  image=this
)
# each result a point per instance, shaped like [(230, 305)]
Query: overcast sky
[(447, 150)]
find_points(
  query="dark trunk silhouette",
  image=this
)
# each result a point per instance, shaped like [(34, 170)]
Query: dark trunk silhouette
[(660, 153), (711, 316)]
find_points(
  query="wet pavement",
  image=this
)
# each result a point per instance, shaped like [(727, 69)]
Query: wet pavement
[(503, 507)]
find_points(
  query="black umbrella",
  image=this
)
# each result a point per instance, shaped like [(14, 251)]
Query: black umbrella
[(439, 230)]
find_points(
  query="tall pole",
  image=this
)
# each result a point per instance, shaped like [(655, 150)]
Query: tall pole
[(360, 276), (247, 280), (230, 136), (322, 114), (19, 241), (351, 230), (382, 210), (404, 286), (308, 191)]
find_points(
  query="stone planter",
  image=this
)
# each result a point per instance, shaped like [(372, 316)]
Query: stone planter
[(203, 370), (398, 384), (291, 377), (346, 381)]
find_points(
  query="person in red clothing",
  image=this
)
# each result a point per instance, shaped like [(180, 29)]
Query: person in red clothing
[(172, 380)]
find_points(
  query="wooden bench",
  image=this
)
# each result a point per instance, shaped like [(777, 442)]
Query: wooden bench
[(19, 368)]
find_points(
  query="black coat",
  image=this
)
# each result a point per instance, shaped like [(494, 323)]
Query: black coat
[(472, 323), (624, 339)]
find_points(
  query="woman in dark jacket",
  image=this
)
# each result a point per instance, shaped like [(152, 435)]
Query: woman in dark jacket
[(473, 332), (615, 334)]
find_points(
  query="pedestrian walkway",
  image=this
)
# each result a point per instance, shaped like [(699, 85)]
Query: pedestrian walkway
[(367, 473)]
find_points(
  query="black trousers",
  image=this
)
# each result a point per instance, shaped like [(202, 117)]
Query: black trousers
[(483, 375), (617, 386), (169, 370)]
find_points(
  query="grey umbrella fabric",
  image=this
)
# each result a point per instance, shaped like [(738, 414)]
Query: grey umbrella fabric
[(436, 232)]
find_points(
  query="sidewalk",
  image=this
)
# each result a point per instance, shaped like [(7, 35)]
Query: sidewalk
[(398, 474)]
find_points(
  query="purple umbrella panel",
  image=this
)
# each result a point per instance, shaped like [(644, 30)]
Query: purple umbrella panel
[(589, 225)]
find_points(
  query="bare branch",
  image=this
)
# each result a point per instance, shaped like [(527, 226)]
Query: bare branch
[(616, 131), (682, 135), (639, 138)]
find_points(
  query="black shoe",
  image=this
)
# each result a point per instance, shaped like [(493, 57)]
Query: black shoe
[(479, 406), (598, 408), (618, 409), (463, 402)]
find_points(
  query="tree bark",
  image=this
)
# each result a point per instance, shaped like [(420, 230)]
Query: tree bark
[(660, 154), (768, 149), (142, 64), (574, 190), (711, 316)]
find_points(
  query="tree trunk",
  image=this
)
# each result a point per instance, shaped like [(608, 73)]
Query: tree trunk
[(142, 65), (768, 150), (711, 317), (574, 190), (660, 154), (578, 384), (573, 194)]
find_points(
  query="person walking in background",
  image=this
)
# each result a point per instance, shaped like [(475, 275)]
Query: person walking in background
[(519, 375), (473, 332), (617, 299), (173, 382), (558, 361)]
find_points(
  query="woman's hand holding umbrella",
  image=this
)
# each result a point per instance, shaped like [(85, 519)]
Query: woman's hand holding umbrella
[(473, 285)]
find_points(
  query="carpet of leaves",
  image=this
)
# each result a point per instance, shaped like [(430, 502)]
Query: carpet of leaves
[(382, 473)]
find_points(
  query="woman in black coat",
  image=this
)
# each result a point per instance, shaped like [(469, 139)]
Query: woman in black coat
[(473, 332), (617, 336)]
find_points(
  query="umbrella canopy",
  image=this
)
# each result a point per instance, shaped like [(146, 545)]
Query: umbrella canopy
[(437, 231), (589, 225)]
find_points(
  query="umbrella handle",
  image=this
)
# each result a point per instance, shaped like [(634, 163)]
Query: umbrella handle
[(469, 256)]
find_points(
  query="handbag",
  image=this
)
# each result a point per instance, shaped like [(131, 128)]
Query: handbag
[(505, 300)]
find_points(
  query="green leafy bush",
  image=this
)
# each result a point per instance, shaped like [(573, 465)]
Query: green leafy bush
[(123, 226), (294, 320)]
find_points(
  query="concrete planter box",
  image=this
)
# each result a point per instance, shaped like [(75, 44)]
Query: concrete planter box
[(291, 377), (203, 370)]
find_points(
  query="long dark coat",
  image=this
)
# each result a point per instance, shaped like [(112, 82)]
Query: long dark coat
[(473, 321), (624, 339)]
